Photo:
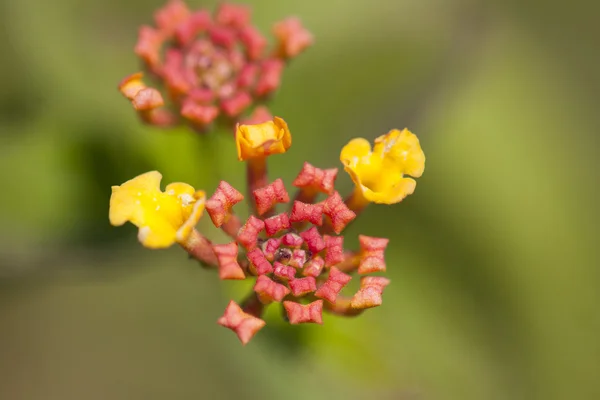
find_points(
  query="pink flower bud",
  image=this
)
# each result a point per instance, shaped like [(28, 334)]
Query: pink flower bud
[(248, 235), (340, 215), (334, 284), (266, 197), (277, 223), (302, 286), (372, 257), (229, 268), (334, 250), (259, 263), (269, 291), (244, 325), (312, 213), (222, 201), (298, 313)]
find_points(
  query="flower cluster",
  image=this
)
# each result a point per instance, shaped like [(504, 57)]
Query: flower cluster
[(295, 256), (210, 66)]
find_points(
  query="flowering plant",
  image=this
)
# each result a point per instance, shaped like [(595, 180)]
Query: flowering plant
[(291, 247), (209, 66)]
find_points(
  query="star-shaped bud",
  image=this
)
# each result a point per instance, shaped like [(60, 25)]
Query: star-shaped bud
[(269, 290), (369, 294), (292, 36), (222, 201), (270, 77), (334, 284), (248, 235), (339, 214), (302, 286), (313, 240), (270, 246), (315, 179), (284, 272), (334, 250), (266, 197), (277, 223), (292, 240), (258, 262), (229, 268), (298, 258), (303, 212), (372, 257), (314, 267), (244, 325), (299, 313)]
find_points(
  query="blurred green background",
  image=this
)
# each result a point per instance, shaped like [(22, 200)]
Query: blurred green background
[(493, 259)]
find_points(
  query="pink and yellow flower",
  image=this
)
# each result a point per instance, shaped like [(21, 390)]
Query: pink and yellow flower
[(211, 66)]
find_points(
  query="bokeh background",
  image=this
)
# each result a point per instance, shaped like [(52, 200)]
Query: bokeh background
[(493, 259)]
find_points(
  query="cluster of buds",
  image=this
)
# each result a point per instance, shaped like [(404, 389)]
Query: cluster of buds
[(211, 66), (296, 254)]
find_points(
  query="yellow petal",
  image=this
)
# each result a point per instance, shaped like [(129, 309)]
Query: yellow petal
[(354, 150), (192, 220), (401, 149), (261, 140), (159, 236), (393, 194), (125, 199)]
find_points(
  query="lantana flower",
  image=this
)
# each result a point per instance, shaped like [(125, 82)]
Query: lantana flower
[(163, 218), (290, 246), (210, 66), (379, 174)]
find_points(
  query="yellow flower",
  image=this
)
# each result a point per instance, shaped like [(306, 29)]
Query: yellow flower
[(261, 140), (379, 174), (163, 217)]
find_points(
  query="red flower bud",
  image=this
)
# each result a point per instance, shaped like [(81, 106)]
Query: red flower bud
[(314, 267), (369, 294), (269, 291), (229, 268), (259, 263), (298, 258), (340, 215), (277, 223), (372, 254), (292, 240), (222, 201), (248, 235), (312, 213), (302, 286), (334, 284), (266, 197), (283, 271), (316, 179), (292, 36), (298, 313), (270, 77), (313, 239), (244, 325), (334, 250), (269, 248)]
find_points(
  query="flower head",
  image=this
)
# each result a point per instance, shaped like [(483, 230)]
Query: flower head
[(211, 66), (163, 218), (292, 247), (379, 173)]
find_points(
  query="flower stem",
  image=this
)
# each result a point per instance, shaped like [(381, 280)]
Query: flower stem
[(200, 248), (256, 174)]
